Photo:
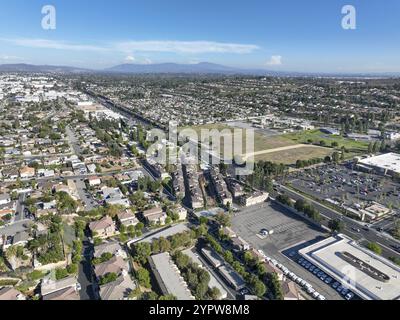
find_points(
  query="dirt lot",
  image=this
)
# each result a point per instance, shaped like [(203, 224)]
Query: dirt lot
[(290, 156)]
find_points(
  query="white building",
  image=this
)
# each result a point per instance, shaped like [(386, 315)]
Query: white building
[(367, 274)]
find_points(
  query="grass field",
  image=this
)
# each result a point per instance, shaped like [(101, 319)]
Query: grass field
[(316, 136), (264, 143), (290, 157), (261, 142)]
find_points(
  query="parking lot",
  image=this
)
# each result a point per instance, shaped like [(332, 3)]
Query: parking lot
[(346, 186), (289, 231)]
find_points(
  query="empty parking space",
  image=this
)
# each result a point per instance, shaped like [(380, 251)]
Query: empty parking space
[(288, 229)]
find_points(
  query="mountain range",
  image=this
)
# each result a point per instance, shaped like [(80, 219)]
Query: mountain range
[(174, 68)]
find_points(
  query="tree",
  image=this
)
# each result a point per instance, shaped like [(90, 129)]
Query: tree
[(374, 247), (61, 274), (336, 157), (109, 277), (143, 277), (72, 268), (258, 287), (396, 230), (142, 252), (214, 293), (223, 219), (336, 225)]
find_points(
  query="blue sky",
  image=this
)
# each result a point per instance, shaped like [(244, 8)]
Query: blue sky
[(290, 35)]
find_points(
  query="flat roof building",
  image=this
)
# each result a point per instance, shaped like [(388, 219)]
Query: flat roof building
[(214, 258), (168, 277), (232, 277), (369, 275), (387, 164)]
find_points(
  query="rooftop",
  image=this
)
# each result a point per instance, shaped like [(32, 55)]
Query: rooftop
[(169, 278), (371, 276), (388, 161)]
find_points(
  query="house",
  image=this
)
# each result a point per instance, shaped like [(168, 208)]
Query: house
[(290, 291), (127, 218), (45, 173), (49, 205), (182, 212), (253, 199), (112, 247), (66, 289), (239, 244), (118, 289), (11, 294), (4, 199), (103, 228), (155, 216), (94, 181), (27, 172), (114, 196), (11, 173), (228, 232), (168, 277), (91, 168), (115, 265), (270, 268)]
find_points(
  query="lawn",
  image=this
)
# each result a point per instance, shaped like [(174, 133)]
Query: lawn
[(316, 136)]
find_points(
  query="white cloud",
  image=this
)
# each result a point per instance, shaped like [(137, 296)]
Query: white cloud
[(275, 61), (130, 47), (188, 47), (130, 58), (5, 57), (53, 44)]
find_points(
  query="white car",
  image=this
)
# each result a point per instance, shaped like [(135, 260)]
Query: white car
[(262, 253), (310, 290), (315, 295), (321, 297)]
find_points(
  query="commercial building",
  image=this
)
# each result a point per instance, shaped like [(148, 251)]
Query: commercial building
[(385, 164), (367, 274)]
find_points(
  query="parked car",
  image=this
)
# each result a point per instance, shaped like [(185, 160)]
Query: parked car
[(349, 296)]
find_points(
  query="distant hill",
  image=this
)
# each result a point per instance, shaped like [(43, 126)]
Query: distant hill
[(22, 67), (203, 67), (175, 68)]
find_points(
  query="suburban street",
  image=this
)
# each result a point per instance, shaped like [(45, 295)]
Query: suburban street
[(85, 274)]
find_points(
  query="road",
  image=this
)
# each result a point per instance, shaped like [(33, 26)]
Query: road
[(86, 198), (19, 213), (351, 225), (73, 141), (14, 228), (85, 275)]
